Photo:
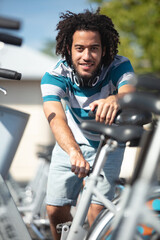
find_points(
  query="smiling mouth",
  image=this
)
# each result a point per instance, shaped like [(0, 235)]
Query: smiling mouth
[(86, 65)]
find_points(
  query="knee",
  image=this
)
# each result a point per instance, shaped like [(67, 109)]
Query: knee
[(95, 208), (93, 212), (52, 212), (58, 214)]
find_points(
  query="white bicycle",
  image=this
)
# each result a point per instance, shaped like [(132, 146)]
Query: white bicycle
[(121, 134), (138, 209)]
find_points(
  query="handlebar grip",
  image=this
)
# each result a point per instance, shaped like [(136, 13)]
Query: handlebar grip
[(130, 115), (92, 114), (10, 39), (148, 82), (5, 73), (9, 23)]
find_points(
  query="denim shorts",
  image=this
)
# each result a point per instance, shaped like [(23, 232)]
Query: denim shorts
[(64, 186)]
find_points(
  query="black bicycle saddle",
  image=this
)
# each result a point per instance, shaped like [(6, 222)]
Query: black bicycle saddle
[(121, 134)]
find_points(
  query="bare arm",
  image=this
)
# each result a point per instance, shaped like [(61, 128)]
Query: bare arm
[(108, 107), (57, 119)]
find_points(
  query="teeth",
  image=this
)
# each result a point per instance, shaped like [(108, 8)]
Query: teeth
[(86, 65)]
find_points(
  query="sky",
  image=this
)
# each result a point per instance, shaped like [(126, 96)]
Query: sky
[(39, 17)]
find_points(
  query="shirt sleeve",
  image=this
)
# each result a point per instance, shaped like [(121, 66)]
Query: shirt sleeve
[(53, 87), (122, 74)]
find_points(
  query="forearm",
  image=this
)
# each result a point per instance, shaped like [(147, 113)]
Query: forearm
[(56, 117), (67, 142), (58, 122), (64, 136)]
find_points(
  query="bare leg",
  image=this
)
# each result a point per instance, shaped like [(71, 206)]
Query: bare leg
[(93, 212), (58, 214)]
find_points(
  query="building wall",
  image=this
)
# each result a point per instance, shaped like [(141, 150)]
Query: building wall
[(25, 96)]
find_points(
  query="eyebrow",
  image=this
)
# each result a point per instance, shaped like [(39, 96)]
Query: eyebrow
[(92, 45)]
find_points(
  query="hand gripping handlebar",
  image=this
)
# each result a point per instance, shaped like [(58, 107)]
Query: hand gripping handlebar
[(131, 116)]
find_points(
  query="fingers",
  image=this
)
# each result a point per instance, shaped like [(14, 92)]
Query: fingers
[(107, 110), (110, 115), (99, 116), (106, 113), (93, 105), (80, 168)]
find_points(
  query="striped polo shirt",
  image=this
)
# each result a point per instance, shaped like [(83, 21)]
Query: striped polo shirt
[(58, 84)]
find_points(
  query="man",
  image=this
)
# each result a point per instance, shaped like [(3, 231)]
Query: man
[(89, 75)]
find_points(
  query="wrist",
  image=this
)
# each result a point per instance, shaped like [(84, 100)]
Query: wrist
[(74, 151)]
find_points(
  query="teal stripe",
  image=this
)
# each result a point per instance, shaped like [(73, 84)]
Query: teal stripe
[(120, 70), (66, 99), (81, 113), (47, 79), (94, 144), (51, 98), (123, 83), (58, 81), (75, 119)]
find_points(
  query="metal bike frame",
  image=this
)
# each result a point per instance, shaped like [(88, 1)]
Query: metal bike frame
[(134, 208), (77, 231)]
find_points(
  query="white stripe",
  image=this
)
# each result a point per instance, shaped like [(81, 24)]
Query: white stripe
[(79, 134), (126, 77), (83, 102), (61, 70), (49, 89)]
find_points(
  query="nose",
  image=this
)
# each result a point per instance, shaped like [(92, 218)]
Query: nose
[(86, 54)]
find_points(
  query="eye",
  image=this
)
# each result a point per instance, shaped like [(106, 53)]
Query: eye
[(94, 48), (79, 48)]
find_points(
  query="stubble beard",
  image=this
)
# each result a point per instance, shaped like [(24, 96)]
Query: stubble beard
[(87, 78)]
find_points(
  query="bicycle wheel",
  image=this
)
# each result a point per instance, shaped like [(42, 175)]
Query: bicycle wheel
[(102, 227), (102, 224)]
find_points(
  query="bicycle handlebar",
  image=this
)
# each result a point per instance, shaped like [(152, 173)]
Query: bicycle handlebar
[(10, 39), (9, 23), (129, 116), (6, 73), (141, 101), (149, 82)]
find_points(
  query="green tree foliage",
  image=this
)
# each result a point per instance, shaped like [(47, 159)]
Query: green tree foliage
[(138, 22)]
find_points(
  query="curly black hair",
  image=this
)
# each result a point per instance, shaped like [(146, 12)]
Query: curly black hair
[(88, 20)]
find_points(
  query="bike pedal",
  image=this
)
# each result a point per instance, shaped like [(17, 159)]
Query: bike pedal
[(61, 225)]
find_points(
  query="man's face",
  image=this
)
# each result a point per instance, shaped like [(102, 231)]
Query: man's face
[(86, 52)]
